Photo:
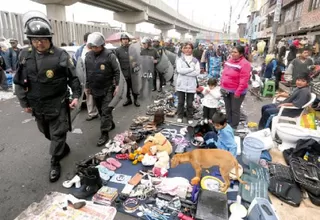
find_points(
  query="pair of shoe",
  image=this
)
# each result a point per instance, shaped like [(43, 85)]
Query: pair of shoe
[(90, 118), (105, 136), (179, 120), (55, 168), (129, 102), (159, 90)]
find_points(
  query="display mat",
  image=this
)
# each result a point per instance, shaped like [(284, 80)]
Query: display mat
[(182, 170)]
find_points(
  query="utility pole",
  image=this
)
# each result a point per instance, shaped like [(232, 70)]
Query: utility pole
[(178, 6), (276, 20), (229, 28)]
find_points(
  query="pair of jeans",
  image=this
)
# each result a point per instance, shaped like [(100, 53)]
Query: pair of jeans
[(266, 112), (208, 112), (161, 78), (233, 106), (181, 102)]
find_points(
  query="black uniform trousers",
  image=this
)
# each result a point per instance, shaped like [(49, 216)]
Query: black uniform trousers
[(105, 112), (156, 73), (130, 90), (54, 129)]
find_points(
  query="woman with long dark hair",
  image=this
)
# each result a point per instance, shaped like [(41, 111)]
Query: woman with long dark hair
[(188, 68), (234, 84)]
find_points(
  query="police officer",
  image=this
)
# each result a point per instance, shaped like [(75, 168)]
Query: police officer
[(168, 45), (122, 54), (103, 74), (42, 79), (148, 50)]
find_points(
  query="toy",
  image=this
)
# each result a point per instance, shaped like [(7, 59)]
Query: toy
[(162, 165), (149, 160), (145, 149), (135, 157), (161, 142)]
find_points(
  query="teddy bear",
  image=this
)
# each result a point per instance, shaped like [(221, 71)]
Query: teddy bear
[(161, 142), (161, 167)]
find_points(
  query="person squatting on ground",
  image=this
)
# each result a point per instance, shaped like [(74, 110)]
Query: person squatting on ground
[(122, 54), (224, 137), (103, 75), (256, 82), (234, 84), (211, 98), (81, 52), (188, 68), (299, 97), (148, 50), (42, 79)]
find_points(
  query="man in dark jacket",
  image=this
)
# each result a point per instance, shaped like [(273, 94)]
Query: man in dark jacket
[(122, 54), (197, 53), (103, 74), (169, 46), (148, 50), (42, 79), (81, 53)]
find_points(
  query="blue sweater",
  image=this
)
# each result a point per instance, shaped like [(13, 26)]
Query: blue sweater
[(226, 141)]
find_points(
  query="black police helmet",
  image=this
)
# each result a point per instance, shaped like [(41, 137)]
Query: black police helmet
[(124, 36), (38, 28)]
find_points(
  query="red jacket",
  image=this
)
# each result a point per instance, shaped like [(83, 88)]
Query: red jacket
[(236, 75)]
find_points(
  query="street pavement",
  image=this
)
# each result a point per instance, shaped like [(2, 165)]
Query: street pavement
[(24, 157)]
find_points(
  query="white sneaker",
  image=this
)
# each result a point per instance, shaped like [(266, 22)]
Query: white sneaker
[(190, 122), (179, 120), (206, 121)]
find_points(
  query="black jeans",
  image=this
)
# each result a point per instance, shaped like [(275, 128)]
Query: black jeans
[(208, 112), (155, 76), (129, 90), (233, 109), (181, 102), (3, 80)]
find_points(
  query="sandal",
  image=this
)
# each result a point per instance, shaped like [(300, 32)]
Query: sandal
[(114, 162), (122, 156), (108, 165)]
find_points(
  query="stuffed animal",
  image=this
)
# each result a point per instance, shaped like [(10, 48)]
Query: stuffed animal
[(161, 167), (145, 149), (135, 157), (161, 142)]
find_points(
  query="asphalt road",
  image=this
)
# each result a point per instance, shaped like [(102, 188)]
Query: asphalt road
[(24, 157)]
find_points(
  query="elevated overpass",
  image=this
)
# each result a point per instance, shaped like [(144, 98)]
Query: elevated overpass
[(132, 12)]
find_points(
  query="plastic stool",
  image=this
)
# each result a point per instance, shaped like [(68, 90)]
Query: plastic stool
[(267, 90)]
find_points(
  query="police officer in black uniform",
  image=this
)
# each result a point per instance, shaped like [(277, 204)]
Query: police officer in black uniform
[(168, 45), (103, 74), (148, 50), (122, 54), (42, 79), (159, 48)]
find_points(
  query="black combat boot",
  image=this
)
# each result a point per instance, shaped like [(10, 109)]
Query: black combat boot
[(103, 139), (113, 126), (136, 103), (55, 170), (128, 102), (90, 184)]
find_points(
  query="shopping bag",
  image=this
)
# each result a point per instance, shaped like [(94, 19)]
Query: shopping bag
[(308, 120)]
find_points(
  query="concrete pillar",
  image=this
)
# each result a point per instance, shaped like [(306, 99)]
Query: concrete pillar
[(131, 28), (165, 29), (56, 8), (56, 11), (183, 35)]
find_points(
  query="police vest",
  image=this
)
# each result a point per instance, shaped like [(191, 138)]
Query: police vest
[(99, 72), (46, 83)]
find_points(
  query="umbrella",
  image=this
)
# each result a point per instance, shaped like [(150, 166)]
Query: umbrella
[(116, 36)]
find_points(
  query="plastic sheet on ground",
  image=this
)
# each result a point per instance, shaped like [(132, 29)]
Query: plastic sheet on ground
[(49, 209)]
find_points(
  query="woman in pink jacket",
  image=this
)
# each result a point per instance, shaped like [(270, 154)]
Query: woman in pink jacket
[(234, 84)]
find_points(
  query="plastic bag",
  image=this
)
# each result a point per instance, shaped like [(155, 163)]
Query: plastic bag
[(309, 120)]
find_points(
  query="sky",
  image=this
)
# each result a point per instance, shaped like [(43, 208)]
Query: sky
[(210, 13)]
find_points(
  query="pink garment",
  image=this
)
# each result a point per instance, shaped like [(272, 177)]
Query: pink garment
[(236, 75), (296, 43)]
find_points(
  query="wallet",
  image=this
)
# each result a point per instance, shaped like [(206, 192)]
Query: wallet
[(135, 180)]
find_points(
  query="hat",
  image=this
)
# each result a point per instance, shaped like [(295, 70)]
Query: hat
[(12, 40), (96, 39)]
